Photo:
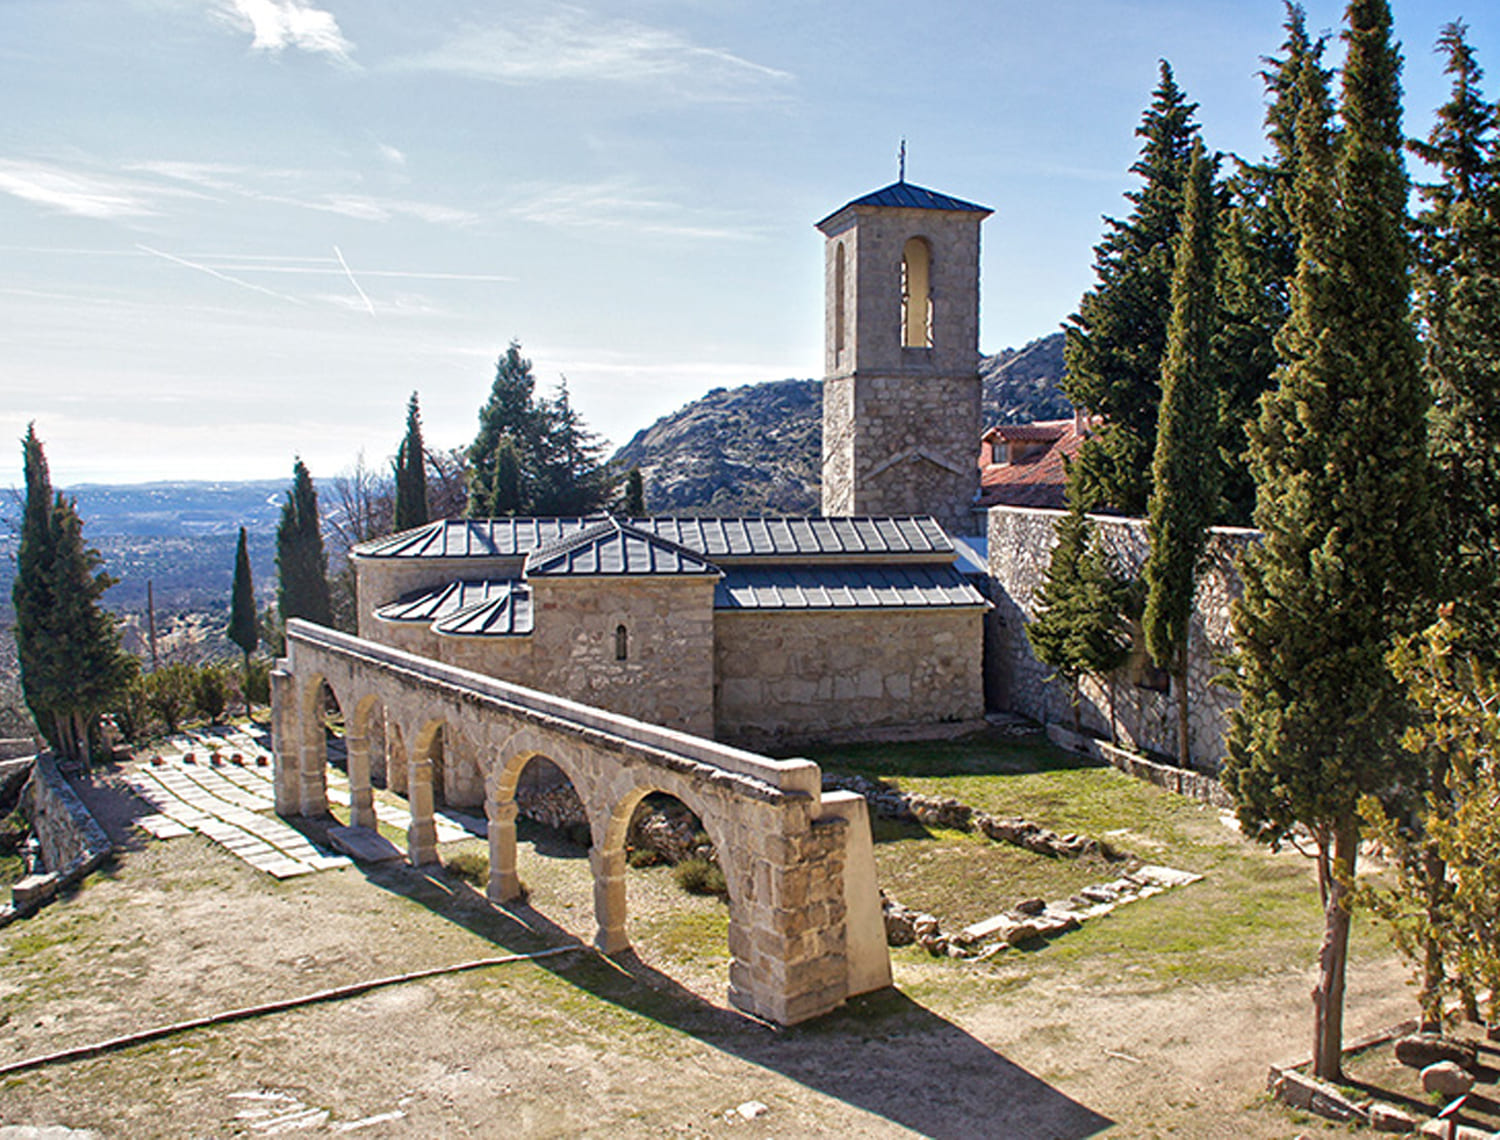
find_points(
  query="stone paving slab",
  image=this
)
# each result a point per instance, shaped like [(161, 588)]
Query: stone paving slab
[(188, 802), (364, 845)]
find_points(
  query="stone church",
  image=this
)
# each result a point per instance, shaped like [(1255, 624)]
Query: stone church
[(762, 632)]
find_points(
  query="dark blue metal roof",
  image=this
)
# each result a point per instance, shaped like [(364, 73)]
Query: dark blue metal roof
[(846, 588), (613, 548), (910, 196)]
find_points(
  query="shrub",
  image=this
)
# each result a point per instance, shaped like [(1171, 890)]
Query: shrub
[(471, 866), (258, 681), (169, 693), (700, 877), (210, 692), (642, 857), (14, 829)]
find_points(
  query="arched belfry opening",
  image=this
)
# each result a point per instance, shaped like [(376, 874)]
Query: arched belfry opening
[(840, 287), (916, 294)]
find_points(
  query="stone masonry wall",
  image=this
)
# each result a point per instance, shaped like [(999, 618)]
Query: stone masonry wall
[(788, 677), (72, 842), (1020, 547)]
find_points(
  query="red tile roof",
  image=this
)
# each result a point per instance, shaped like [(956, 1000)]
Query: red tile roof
[(1037, 478)]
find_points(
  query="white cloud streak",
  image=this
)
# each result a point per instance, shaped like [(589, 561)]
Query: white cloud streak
[(349, 273), (74, 192), (576, 46), (201, 268), (279, 24), (617, 205)]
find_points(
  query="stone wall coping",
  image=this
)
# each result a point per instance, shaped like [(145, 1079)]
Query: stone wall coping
[(1249, 532), (797, 777)]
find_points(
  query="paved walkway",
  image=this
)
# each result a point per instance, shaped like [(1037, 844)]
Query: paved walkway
[(219, 785)]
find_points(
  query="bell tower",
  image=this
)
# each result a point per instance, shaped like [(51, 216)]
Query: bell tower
[(901, 389)]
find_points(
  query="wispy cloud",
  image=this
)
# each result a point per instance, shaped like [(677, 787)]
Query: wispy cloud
[(84, 194), (573, 45), (617, 205), (280, 24)]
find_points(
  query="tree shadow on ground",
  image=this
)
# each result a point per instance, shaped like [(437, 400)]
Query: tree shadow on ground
[(989, 752), (883, 1052)]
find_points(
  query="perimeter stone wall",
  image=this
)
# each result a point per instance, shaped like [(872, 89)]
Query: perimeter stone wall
[(786, 677), (1020, 548)]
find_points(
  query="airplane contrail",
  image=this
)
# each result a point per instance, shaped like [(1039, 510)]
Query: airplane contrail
[(349, 274), (215, 273)]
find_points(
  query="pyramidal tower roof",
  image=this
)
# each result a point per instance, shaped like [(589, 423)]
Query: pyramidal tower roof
[(909, 196)]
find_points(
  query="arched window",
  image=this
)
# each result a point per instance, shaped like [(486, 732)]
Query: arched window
[(916, 294), (838, 300), (622, 643)]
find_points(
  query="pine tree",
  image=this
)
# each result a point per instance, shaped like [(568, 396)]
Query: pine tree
[(1458, 295), (1080, 628), (301, 562), (1338, 457), (411, 472), (243, 627), (1116, 340), (633, 503), (509, 413), (507, 494), (1185, 471)]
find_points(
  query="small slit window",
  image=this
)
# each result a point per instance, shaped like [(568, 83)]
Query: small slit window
[(916, 294), (622, 643), (839, 274)]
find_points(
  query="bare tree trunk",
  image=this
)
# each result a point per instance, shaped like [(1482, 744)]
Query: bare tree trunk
[(1434, 882), (1333, 957)]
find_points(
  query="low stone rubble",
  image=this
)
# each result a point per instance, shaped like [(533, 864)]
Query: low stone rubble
[(946, 812), (1028, 920)]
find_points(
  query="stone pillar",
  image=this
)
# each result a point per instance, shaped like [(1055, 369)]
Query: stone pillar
[(286, 740), (609, 900), (421, 833), (505, 883), (314, 790), (361, 794)]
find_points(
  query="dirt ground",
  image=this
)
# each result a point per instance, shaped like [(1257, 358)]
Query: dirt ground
[(577, 1045)]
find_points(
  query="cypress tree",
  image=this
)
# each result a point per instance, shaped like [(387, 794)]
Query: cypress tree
[(1338, 454), (301, 562), (507, 495), (1116, 340), (411, 472), (244, 629), (1081, 628), (1458, 295), (633, 505), (32, 594), (1185, 470), (1257, 260)]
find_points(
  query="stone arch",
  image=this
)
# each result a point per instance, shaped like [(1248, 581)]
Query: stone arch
[(313, 746), (512, 757), (916, 293), (608, 861)]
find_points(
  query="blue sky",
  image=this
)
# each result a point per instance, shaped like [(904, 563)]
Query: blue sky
[(233, 231)]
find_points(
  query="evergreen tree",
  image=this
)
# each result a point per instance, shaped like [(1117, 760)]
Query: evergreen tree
[(1185, 471), (243, 627), (507, 494), (1458, 295), (1080, 628), (633, 504), (509, 413), (1116, 340), (301, 562), (72, 665), (571, 479), (31, 594), (1338, 455), (411, 472), (1257, 260)]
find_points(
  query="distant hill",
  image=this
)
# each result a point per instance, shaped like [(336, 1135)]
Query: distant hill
[(757, 449)]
